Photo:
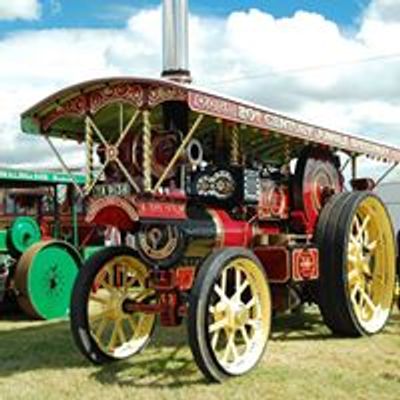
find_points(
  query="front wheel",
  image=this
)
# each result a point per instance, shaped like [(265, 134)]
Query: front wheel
[(101, 328), (229, 315), (357, 254)]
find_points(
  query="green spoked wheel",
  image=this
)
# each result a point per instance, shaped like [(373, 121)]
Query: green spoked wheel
[(229, 314), (44, 278), (357, 261), (22, 234), (102, 329)]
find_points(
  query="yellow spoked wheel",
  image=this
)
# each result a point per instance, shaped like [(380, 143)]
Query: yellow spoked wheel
[(358, 268), (102, 328), (230, 314)]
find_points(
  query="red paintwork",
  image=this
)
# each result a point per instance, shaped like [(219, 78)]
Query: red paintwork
[(320, 180), (154, 209), (123, 213), (184, 278), (168, 305), (305, 264), (231, 232), (276, 262)]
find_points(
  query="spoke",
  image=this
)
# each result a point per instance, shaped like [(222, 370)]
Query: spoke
[(356, 305), (130, 280), (234, 348), (366, 270), (237, 278), (224, 278), (100, 315), (218, 325), (214, 341), (372, 246), (98, 299), (139, 297), (353, 240), (121, 333), (114, 336), (132, 323), (362, 233), (353, 259), (245, 336), (101, 282), (124, 274), (356, 223), (367, 299), (254, 323), (352, 246), (228, 348), (354, 277), (220, 293), (100, 329), (243, 287), (251, 303), (364, 224), (111, 274)]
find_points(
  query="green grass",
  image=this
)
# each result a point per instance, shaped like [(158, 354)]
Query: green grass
[(39, 361)]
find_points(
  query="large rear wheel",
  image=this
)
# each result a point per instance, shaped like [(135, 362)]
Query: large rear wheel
[(102, 330), (229, 314), (358, 267)]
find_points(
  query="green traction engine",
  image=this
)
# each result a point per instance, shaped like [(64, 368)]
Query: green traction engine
[(39, 257)]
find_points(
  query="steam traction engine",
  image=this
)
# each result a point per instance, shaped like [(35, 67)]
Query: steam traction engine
[(226, 212)]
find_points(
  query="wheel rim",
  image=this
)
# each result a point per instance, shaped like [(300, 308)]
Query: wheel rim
[(117, 333), (370, 265), (239, 315)]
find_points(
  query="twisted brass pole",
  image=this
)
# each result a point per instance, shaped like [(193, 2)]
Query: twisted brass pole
[(147, 151)]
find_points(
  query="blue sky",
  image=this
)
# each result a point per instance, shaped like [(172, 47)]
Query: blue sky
[(312, 64), (107, 14)]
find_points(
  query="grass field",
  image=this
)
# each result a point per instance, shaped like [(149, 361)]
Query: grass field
[(38, 361)]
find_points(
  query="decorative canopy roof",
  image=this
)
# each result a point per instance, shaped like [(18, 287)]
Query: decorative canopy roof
[(62, 114)]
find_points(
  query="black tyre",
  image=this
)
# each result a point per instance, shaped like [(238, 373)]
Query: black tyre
[(229, 314), (357, 264), (102, 330)]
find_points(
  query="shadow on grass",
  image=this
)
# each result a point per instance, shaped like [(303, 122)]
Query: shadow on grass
[(170, 369), (167, 362), (38, 346), (300, 327), (49, 345)]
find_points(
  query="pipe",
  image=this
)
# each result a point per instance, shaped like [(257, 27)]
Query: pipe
[(175, 40)]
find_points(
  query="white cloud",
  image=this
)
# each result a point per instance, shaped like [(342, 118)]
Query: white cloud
[(341, 93), (20, 9)]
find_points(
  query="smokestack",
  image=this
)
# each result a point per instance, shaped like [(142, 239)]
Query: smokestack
[(175, 40)]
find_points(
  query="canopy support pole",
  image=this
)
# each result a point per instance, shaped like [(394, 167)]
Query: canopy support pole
[(64, 165), (235, 151), (89, 153), (354, 166), (147, 152), (386, 173)]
